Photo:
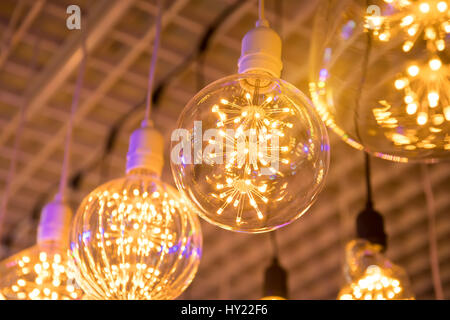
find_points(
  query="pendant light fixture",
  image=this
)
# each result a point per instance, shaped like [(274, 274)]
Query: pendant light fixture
[(380, 76), (368, 273), (136, 238), (266, 151), (42, 271), (275, 277)]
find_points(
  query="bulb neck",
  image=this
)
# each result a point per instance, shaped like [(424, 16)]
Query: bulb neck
[(54, 224), (261, 51), (146, 150)]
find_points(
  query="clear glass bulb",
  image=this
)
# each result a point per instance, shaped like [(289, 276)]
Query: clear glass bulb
[(371, 276), (398, 107), (38, 273), (135, 238), (254, 154)]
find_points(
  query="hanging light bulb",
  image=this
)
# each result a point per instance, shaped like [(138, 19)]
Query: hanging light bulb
[(266, 151), (136, 238), (41, 272), (383, 86), (371, 276)]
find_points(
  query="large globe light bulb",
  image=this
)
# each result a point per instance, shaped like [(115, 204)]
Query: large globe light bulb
[(250, 150), (380, 76), (136, 238), (41, 272), (371, 276)]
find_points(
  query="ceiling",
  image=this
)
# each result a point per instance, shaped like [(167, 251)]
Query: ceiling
[(39, 59)]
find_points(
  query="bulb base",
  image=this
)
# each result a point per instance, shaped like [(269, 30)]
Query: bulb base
[(54, 224), (275, 281), (261, 51), (146, 150), (370, 226)]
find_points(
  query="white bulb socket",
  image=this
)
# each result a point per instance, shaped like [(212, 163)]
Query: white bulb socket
[(54, 224), (146, 150), (261, 51)]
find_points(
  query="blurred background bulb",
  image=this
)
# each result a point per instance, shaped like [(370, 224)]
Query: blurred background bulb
[(256, 154), (42, 272), (371, 276), (38, 273), (387, 95), (136, 238)]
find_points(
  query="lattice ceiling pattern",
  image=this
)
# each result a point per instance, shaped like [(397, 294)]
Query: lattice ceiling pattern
[(38, 64)]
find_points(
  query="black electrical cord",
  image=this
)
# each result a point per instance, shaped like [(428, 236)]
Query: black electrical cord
[(76, 179), (369, 222), (369, 201), (275, 276), (273, 240)]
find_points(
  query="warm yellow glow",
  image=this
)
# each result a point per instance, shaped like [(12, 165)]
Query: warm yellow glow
[(433, 99), (375, 284), (431, 17), (447, 113), (371, 276), (273, 298), (413, 70), (237, 188), (400, 84), (403, 99), (270, 153), (411, 108), (406, 21), (409, 99), (435, 64), (424, 7), (38, 273), (135, 238), (422, 118), (442, 6), (425, 87)]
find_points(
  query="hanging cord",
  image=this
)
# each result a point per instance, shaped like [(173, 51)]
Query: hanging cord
[(280, 10), (12, 169), (432, 237), (261, 16), (369, 222), (61, 195), (151, 73), (200, 72), (369, 201), (364, 72), (275, 276), (16, 146), (261, 10), (273, 240), (77, 178)]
